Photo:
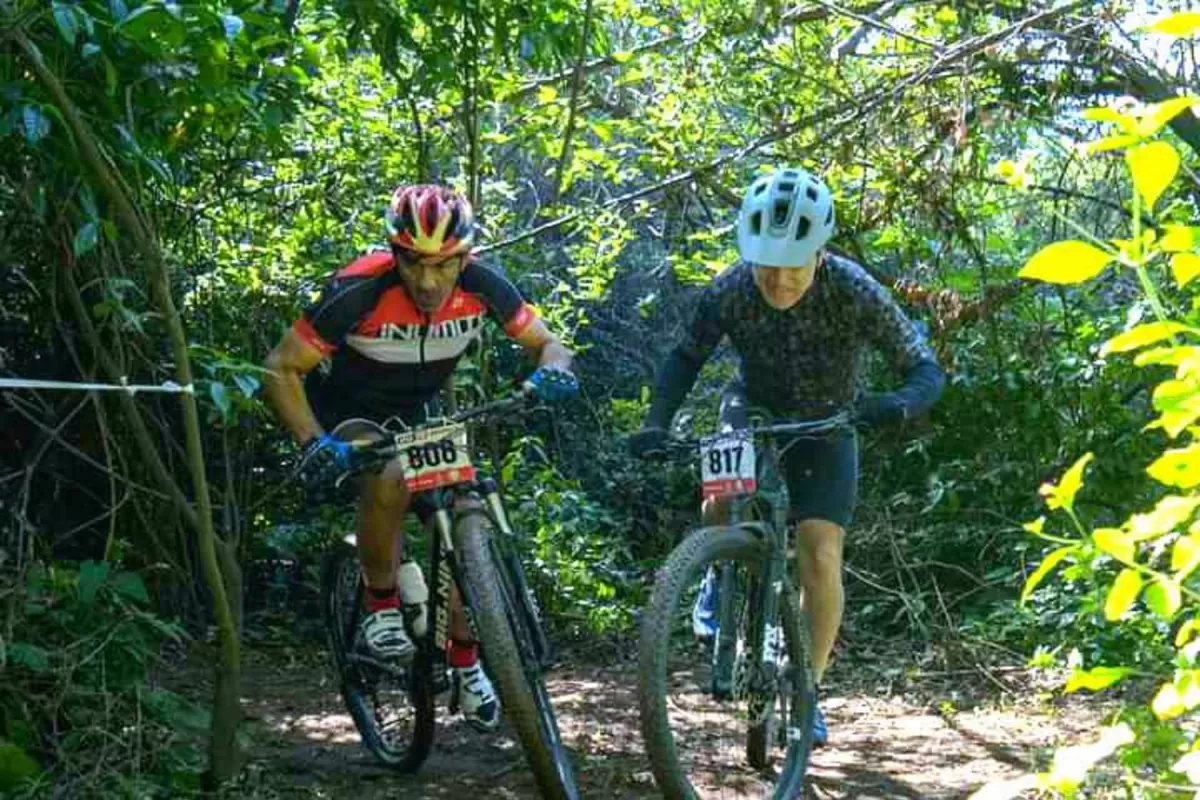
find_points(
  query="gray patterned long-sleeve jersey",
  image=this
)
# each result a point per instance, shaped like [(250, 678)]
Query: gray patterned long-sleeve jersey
[(800, 363)]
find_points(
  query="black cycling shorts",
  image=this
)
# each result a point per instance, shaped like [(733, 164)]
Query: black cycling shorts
[(821, 474), (331, 412)]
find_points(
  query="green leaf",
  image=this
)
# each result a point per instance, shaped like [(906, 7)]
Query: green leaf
[(1109, 114), (1185, 556), (92, 575), (1184, 268), (1183, 23), (1096, 679), (622, 56), (1142, 335), (220, 397), (1156, 116), (16, 767), (30, 656), (1153, 167), (1174, 355), (1063, 494), (248, 384), (1178, 467), (547, 94), (90, 49), (1186, 631), (1071, 765), (130, 585), (36, 125), (1163, 597), (118, 9), (1167, 704), (1178, 238), (85, 239), (1116, 542), (1124, 592), (1066, 262), (1108, 143), (1169, 513), (67, 22), (1048, 564)]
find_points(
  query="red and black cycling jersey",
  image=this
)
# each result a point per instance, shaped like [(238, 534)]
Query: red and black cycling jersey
[(387, 356)]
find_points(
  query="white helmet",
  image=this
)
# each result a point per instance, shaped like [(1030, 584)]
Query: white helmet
[(786, 218)]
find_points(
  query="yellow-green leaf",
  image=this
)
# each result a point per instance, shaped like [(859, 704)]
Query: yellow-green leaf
[(1175, 356), (1177, 238), (1063, 494), (1071, 765), (1158, 115), (1124, 592), (1096, 679), (1037, 527), (1186, 631), (1185, 556), (547, 94), (622, 56), (1167, 703), (1048, 563), (1153, 166), (1163, 598), (1185, 267), (1109, 143), (1183, 23), (1142, 335), (1116, 542), (1066, 262), (1168, 514), (1179, 467), (1109, 114)]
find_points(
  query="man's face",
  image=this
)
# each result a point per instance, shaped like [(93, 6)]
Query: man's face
[(782, 287), (428, 279)]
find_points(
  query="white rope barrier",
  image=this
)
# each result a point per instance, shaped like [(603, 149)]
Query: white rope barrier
[(169, 387)]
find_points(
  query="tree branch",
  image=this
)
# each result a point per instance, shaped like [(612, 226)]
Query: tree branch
[(573, 107)]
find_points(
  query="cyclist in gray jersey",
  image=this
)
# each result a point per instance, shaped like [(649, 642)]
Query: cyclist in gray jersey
[(798, 318)]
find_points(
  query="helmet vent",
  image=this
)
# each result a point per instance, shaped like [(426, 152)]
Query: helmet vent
[(788, 187), (802, 228), (829, 217), (756, 223), (812, 193), (780, 212), (762, 187)]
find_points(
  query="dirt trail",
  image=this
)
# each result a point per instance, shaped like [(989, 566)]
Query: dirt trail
[(940, 737)]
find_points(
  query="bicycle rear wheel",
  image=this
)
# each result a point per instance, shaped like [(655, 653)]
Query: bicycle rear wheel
[(503, 630), (392, 707), (702, 746)]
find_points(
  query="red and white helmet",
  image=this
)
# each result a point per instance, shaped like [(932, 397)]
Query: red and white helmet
[(430, 220)]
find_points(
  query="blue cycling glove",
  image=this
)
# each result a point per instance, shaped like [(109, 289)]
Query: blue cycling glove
[(553, 385), (324, 457)]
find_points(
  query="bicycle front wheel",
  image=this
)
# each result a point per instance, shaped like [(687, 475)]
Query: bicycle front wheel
[(705, 740), (392, 707), (503, 630)]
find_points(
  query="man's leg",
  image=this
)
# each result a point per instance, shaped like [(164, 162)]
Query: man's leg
[(819, 546), (383, 503)]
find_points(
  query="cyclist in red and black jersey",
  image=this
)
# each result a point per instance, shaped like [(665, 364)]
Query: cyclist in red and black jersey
[(392, 326)]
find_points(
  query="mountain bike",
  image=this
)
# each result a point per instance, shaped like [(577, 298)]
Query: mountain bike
[(749, 689), (472, 546)]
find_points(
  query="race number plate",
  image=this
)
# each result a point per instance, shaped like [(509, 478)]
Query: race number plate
[(435, 457), (727, 465)]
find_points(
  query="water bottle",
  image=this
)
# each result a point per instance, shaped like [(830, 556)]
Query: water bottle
[(414, 597)]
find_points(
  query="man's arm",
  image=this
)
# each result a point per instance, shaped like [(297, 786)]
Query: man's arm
[(679, 371), (543, 346), (288, 363)]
